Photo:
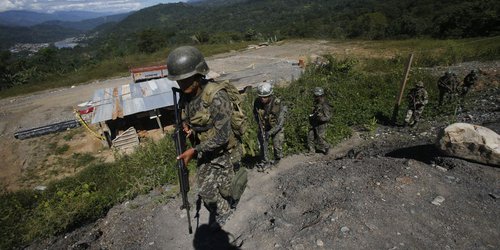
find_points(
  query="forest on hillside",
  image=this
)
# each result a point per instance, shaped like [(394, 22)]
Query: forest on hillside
[(228, 21), (262, 19)]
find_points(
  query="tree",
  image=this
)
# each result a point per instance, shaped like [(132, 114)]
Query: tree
[(150, 40), (4, 70), (371, 25)]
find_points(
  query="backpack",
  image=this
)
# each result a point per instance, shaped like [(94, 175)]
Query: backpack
[(238, 118), (239, 183)]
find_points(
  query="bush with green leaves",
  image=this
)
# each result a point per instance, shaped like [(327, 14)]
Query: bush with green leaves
[(71, 202)]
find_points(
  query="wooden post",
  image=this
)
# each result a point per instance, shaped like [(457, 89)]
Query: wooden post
[(157, 113), (401, 90)]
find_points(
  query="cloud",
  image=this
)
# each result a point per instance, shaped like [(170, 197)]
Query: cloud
[(87, 5)]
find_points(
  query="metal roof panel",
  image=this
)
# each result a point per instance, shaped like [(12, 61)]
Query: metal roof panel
[(129, 99)]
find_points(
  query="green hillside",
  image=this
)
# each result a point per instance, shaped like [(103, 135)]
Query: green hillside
[(368, 19)]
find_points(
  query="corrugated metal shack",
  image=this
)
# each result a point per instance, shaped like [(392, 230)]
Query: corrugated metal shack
[(143, 105)]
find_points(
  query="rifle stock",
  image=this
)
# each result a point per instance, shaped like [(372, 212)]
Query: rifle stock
[(180, 147)]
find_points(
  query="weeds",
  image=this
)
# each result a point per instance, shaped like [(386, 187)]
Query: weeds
[(27, 215), (61, 149)]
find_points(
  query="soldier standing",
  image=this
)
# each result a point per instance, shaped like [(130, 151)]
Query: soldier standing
[(208, 125), (269, 113), (417, 99), (447, 86), (469, 81), (319, 121)]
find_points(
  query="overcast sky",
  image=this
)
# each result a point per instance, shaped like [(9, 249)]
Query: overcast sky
[(87, 5)]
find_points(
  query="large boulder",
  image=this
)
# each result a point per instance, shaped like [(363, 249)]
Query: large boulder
[(471, 142)]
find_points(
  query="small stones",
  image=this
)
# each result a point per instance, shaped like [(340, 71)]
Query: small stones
[(319, 243), (442, 169), (345, 229), (438, 200), (495, 195)]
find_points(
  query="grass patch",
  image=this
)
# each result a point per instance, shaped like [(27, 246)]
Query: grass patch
[(61, 149), (430, 52), (27, 215)]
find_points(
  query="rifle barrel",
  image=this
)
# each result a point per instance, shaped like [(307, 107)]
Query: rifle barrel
[(183, 173)]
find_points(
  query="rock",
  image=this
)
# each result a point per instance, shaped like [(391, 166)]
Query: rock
[(471, 142), (495, 195), (40, 188), (442, 169), (344, 230), (319, 243), (438, 200)]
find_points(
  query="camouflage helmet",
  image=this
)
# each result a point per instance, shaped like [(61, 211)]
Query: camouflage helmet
[(318, 91), (184, 62), (420, 84), (264, 89)]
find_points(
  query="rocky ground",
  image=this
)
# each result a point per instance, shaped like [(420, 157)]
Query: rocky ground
[(388, 189)]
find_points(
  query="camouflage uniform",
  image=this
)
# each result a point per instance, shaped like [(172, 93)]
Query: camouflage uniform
[(469, 80), (319, 121), (271, 117), (447, 86), (417, 99), (212, 144)]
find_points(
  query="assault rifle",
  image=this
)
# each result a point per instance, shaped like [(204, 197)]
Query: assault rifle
[(180, 147)]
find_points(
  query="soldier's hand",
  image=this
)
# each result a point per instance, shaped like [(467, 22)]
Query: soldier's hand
[(187, 156), (187, 130)]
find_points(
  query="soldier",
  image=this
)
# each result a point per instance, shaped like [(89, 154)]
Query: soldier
[(269, 113), (319, 121), (447, 86), (417, 99), (469, 81), (208, 125)]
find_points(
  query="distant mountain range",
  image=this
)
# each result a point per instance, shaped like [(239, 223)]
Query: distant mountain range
[(30, 18), (33, 27)]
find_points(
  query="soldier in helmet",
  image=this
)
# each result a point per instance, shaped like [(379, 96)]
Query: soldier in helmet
[(208, 125), (447, 86), (417, 99), (319, 120), (469, 81), (269, 113)]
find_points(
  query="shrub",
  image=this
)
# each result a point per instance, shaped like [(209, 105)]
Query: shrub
[(68, 203)]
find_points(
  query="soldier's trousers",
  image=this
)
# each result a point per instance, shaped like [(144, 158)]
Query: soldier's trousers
[(214, 184), (413, 115), (444, 94), (316, 136), (278, 139)]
